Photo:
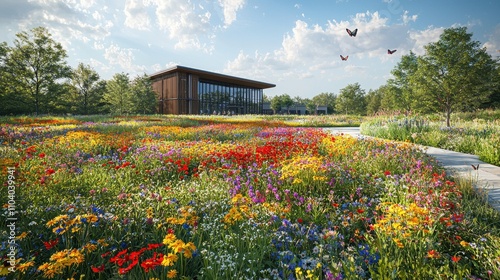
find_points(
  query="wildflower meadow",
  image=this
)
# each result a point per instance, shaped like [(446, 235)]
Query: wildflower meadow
[(169, 197)]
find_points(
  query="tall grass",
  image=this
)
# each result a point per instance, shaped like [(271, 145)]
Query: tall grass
[(469, 133)]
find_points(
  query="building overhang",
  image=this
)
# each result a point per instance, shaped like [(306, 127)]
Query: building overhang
[(206, 75)]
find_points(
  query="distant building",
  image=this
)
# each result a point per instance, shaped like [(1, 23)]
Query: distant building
[(183, 90), (296, 109)]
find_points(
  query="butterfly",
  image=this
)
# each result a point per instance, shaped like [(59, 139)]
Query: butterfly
[(475, 167), (344, 58), (352, 33), (391, 52)]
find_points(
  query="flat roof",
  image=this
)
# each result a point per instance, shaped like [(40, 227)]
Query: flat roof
[(212, 76)]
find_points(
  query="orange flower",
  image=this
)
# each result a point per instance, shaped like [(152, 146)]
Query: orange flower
[(455, 259), (433, 254)]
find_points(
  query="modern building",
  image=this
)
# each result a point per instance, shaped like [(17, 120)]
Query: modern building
[(296, 109), (184, 90)]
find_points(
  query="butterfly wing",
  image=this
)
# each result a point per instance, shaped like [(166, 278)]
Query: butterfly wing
[(352, 33)]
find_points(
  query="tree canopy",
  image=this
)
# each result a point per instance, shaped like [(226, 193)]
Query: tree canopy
[(32, 67), (454, 74), (351, 100)]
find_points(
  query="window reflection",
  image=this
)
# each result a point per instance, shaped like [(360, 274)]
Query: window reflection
[(228, 99)]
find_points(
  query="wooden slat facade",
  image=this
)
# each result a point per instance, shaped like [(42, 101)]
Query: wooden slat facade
[(177, 88)]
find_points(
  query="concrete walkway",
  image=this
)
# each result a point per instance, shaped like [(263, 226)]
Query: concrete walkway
[(486, 179)]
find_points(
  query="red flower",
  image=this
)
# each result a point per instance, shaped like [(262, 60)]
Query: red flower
[(41, 155), (455, 259), (50, 171), (300, 221), (360, 210), (152, 262), (387, 173), (129, 267), (97, 269), (154, 246), (50, 244), (433, 254)]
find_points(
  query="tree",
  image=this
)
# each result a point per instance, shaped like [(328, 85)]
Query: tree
[(390, 97), (351, 100), (143, 96), (286, 101), (325, 99), (402, 73), (276, 103), (118, 96), (279, 102), (34, 65), (454, 74), (88, 87), (373, 101)]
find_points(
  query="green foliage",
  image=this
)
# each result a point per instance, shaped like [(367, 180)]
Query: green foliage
[(32, 67), (473, 136), (118, 96), (455, 74), (143, 96), (324, 99), (281, 102), (351, 100), (87, 90), (402, 73)]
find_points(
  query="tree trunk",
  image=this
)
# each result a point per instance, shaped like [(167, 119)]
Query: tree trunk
[(448, 115)]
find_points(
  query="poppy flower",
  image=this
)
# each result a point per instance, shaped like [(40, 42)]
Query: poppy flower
[(50, 244), (98, 269)]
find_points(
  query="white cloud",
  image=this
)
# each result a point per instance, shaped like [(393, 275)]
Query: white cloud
[(124, 58), (136, 15), (493, 44), (184, 24), (406, 18), (230, 8), (418, 39), (312, 51)]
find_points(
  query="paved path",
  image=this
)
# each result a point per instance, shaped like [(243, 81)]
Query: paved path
[(486, 178)]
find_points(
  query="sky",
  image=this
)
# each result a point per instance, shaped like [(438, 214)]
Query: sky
[(295, 45)]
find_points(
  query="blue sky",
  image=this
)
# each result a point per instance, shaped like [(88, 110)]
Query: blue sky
[(293, 44)]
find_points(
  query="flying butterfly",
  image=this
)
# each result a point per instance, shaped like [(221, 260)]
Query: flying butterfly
[(352, 33), (344, 58), (475, 167), (391, 52)]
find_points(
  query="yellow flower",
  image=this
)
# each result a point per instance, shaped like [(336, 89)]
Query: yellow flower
[(169, 260), (22, 236), (91, 218), (177, 246), (59, 230), (172, 274), (102, 242), (398, 242), (90, 247), (397, 226), (464, 243), (169, 238), (298, 271), (189, 249), (24, 266)]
